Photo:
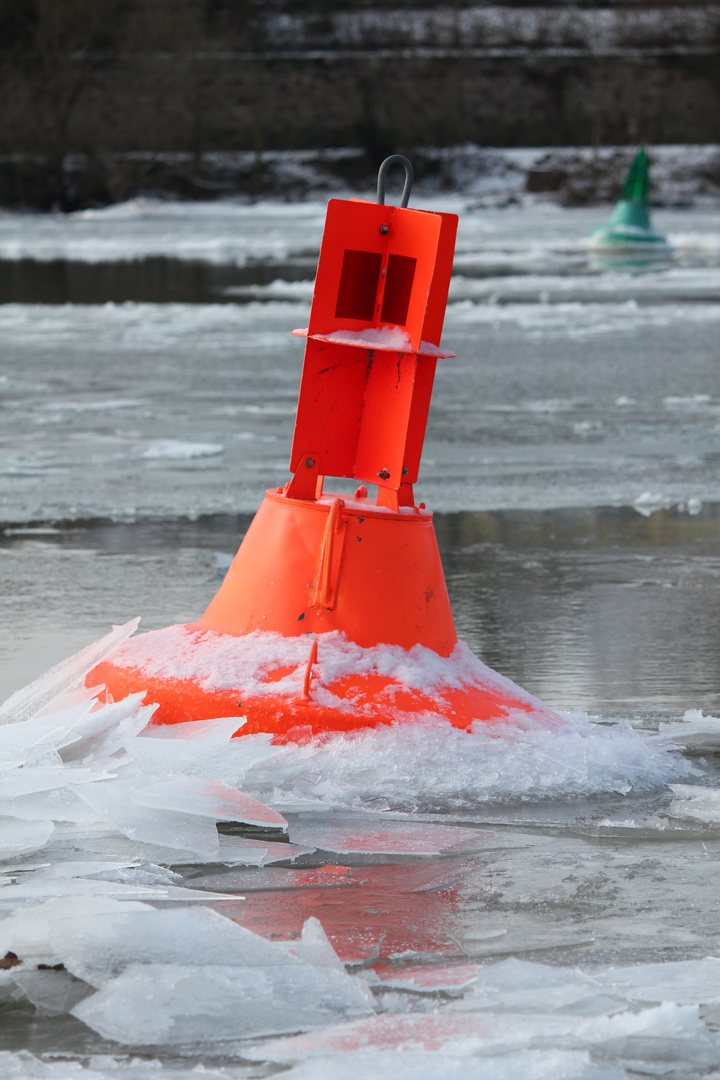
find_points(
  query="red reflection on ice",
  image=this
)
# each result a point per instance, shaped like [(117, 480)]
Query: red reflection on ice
[(400, 910)]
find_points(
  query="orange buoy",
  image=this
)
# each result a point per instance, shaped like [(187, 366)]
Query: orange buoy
[(334, 614)]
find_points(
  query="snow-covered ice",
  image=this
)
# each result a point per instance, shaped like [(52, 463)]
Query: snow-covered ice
[(78, 449)]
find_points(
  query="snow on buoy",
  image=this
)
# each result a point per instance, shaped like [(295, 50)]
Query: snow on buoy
[(334, 614)]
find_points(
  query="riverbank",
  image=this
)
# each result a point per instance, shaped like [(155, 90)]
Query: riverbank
[(682, 175)]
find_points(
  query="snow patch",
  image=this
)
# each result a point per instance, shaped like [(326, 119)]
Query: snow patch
[(384, 338), (176, 450)]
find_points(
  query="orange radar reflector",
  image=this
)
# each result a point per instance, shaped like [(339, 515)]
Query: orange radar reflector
[(373, 344), (334, 614), (383, 267)]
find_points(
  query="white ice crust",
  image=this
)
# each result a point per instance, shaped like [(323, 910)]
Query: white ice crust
[(224, 662), (384, 338), (96, 807)]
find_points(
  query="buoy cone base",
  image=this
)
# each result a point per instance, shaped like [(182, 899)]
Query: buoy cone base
[(294, 688), (334, 615), (337, 563), (629, 228)]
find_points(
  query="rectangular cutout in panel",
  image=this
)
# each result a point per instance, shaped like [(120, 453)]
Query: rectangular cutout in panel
[(358, 285), (398, 289)]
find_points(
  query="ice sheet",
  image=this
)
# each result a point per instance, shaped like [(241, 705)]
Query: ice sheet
[(684, 982), (429, 977), (98, 951), (27, 931), (114, 802), (29, 701), (26, 1066), (193, 1003), (20, 837), (177, 450), (443, 1032), (53, 993), (697, 803), (314, 947), (227, 760), (519, 1065), (516, 985), (215, 232), (400, 838), (208, 798), (693, 731), (76, 765)]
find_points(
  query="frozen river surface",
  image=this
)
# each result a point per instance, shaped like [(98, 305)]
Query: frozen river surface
[(575, 383), (420, 904)]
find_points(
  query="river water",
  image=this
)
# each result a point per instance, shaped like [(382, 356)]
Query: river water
[(518, 904)]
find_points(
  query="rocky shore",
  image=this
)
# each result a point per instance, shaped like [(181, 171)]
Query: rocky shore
[(490, 176)]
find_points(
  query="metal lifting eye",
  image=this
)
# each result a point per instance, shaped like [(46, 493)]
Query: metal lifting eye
[(395, 159)]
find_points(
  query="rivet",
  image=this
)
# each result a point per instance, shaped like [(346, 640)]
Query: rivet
[(383, 474), (309, 462), (383, 229)]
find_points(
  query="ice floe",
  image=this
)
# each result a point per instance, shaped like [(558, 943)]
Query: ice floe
[(189, 1004)]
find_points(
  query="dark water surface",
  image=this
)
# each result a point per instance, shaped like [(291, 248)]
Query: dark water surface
[(155, 279)]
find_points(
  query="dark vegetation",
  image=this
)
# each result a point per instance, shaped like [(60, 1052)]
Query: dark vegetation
[(105, 98)]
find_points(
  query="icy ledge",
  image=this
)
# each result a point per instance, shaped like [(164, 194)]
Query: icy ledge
[(384, 338), (224, 662)]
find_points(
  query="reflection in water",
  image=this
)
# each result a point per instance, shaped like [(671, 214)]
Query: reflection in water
[(369, 912), (603, 609), (638, 261)]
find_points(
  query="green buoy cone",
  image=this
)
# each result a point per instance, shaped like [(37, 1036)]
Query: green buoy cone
[(629, 225)]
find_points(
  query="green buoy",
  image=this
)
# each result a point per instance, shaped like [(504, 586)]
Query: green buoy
[(629, 227)]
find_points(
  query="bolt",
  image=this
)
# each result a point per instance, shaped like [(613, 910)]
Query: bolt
[(405, 472), (309, 462), (383, 229), (383, 474)]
